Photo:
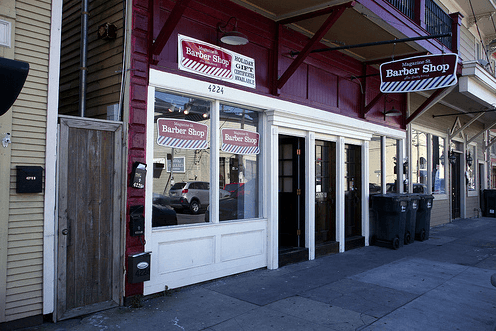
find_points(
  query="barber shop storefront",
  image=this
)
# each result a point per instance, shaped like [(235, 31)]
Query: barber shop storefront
[(237, 180)]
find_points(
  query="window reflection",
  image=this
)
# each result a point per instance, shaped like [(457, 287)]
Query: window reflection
[(471, 168), (438, 166), (391, 165), (181, 159), (419, 161), (239, 163), (375, 165)]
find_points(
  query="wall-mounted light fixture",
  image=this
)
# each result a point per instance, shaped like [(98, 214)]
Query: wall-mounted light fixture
[(392, 112), (451, 157), (469, 159), (233, 37)]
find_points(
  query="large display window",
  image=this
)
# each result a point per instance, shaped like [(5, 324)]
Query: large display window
[(182, 186), (239, 163)]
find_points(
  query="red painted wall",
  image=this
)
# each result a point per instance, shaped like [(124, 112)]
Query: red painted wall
[(325, 80)]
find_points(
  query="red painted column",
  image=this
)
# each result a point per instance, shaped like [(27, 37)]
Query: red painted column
[(137, 123)]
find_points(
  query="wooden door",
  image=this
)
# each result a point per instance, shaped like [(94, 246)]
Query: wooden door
[(291, 192), (89, 265)]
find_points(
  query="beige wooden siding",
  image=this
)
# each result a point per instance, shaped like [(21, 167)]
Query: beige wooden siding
[(467, 43), (25, 229), (440, 212), (104, 58)]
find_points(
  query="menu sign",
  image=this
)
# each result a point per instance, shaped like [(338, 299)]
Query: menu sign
[(419, 73), (212, 61), (182, 134), (238, 141)]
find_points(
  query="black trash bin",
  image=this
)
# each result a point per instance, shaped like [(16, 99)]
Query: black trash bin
[(489, 203), (390, 216), (423, 224), (411, 218)]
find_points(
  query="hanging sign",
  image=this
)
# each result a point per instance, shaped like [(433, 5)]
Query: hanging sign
[(182, 134), (419, 73), (212, 61), (238, 141)]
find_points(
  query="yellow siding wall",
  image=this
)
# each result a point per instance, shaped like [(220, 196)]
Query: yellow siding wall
[(25, 229)]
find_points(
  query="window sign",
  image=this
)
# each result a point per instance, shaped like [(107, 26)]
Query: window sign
[(182, 134), (177, 165), (213, 61), (239, 141)]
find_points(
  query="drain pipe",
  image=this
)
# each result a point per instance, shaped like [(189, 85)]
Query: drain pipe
[(83, 57)]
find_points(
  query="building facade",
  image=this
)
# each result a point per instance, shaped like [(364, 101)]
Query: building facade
[(183, 156)]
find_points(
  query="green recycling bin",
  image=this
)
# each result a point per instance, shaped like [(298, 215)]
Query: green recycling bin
[(423, 223), (390, 218)]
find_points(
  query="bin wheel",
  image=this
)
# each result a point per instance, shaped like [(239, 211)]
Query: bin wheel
[(422, 235), (407, 238), (396, 243)]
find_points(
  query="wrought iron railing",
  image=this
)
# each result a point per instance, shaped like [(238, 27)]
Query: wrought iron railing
[(407, 7), (437, 22)]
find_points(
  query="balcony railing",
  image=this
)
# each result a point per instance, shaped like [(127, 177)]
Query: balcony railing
[(407, 7), (436, 20)]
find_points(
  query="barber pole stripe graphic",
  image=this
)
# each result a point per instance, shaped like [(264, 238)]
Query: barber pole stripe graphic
[(419, 85), (240, 149), (182, 143), (208, 70)]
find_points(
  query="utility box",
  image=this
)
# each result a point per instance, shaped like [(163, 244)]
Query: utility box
[(139, 267), (29, 179), (488, 202)]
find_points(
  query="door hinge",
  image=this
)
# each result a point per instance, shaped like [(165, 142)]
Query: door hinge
[(298, 151), (298, 191), (298, 232)]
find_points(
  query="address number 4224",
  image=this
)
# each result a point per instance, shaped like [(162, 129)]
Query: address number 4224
[(216, 89)]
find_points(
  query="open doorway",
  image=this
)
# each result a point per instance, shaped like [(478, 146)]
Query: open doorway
[(291, 200), (353, 197), (325, 198)]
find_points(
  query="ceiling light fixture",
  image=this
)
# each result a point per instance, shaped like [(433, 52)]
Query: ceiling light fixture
[(233, 37)]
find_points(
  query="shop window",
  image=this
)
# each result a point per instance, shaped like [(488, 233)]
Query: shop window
[(438, 165), (471, 164), (181, 159), (419, 161), (391, 165), (239, 163), (375, 165)]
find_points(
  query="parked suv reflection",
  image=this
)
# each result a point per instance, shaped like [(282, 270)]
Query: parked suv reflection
[(193, 196)]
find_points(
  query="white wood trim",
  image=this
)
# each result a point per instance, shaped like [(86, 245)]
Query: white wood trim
[(365, 192), (214, 161), (340, 188), (399, 163), (50, 218), (310, 195), (429, 163), (383, 165), (273, 194), (150, 111)]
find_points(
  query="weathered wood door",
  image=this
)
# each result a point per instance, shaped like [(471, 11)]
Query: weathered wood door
[(89, 267)]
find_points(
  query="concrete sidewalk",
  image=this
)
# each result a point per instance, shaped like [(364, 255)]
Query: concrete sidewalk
[(443, 283)]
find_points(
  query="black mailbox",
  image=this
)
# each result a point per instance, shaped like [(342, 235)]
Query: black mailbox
[(29, 179), (138, 175), (137, 220), (139, 267)]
